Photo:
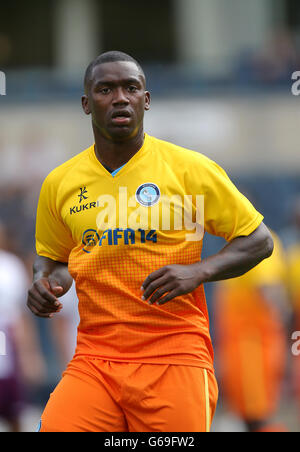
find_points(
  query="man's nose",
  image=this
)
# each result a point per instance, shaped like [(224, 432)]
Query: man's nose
[(120, 96)]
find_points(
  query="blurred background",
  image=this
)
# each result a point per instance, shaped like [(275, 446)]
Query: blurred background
[(220, 74)]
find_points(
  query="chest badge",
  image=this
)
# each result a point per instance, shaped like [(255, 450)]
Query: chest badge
[(147, 194)]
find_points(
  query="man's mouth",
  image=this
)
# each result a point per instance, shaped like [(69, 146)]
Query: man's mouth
[(121, 117), (121, 114), (121, 121)]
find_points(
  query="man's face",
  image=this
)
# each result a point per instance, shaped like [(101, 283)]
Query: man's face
[(117, 100)]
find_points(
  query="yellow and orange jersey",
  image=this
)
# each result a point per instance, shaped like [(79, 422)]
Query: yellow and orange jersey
[(115, 230)]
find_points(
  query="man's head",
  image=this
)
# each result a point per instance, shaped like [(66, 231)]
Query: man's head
[(115, 95)]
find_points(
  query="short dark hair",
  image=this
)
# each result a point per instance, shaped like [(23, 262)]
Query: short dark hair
[(109, 57)]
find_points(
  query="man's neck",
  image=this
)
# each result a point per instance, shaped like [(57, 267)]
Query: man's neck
[(115, 154)]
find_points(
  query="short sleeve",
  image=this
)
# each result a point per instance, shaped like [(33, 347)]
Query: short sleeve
[(53, 238), (227, 212)]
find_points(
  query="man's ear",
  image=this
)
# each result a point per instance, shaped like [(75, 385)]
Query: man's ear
[(147, 100), (85, 104)]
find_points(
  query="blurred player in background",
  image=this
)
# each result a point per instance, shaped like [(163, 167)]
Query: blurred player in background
[(294, 288), (144, 359), (22, 363), (291, 237), (252, 314)]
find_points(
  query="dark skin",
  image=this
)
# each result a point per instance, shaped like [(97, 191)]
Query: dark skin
[(115, 89), (116, 98), (235, 259), (51, 280)]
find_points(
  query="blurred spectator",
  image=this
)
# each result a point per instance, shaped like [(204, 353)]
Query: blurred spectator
[(251, 314), (290, 235), (22, 364), (5, 49), (274, 63), (19, 220)]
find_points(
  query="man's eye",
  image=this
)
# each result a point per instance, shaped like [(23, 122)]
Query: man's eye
[(132, 88), (104, 90)]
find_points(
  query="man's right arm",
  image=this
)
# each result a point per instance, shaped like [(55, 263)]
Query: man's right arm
[(51, 280)]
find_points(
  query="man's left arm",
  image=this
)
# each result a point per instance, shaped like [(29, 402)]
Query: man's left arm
[(236, 258)]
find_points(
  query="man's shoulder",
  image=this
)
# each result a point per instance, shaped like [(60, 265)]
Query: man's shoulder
[(172, 151)]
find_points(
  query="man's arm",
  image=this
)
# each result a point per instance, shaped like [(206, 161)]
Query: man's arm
[(235, 259), (51, 280)]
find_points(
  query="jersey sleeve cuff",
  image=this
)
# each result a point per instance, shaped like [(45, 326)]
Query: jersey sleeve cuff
[(64, 260), (248, 229)]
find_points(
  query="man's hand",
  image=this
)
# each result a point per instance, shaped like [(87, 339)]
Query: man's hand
[(42, 297), (169, 282), (51, 280)]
